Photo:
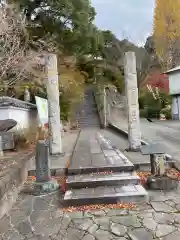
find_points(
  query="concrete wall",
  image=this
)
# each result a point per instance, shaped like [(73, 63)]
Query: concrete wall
[(176, 107), (24, 117), (174, 83)]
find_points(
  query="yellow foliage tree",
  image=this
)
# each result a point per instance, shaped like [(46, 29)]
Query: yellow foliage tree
[(167, 32)]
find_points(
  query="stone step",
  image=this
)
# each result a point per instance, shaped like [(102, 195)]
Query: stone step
[(88, 120), (86, 117), (88, 124), (76, 169), (102, 179), (106, 195)]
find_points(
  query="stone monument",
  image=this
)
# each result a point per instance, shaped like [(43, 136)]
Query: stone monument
[(52, 86), (160, 178), (132, 105), (44, 183), (1, 147), (27, 96)]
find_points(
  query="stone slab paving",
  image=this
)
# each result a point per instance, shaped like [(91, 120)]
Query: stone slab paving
[(42, 218), (93, 151), (121, 143)]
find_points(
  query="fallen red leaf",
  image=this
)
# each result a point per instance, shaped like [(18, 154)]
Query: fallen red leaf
[(143, 176), (174, 172), (100, 207)]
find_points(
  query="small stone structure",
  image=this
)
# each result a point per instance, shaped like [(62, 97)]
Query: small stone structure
[(160, 179)]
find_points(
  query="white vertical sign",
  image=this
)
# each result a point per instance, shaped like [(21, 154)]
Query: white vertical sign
[(42, 107)]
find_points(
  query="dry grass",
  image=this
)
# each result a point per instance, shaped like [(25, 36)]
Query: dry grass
[(26, 138)]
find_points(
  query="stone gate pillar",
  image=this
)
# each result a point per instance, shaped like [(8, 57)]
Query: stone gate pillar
[(52, 86), (132, 104)]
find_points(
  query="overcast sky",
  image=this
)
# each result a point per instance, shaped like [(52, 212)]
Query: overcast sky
[(130, 19)]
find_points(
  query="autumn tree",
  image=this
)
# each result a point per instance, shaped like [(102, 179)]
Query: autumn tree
[(167, 32)]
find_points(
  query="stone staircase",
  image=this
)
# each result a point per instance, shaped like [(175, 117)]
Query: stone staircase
[(86, 114), (109, 179)]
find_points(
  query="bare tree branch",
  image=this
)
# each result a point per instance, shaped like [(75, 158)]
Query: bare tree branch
[(17, 61)]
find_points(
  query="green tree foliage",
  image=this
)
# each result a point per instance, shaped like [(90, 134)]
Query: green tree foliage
[(67, 28), (67, 23)]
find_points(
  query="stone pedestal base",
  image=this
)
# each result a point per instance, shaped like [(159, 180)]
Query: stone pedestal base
[(45, 187), (162, 183)]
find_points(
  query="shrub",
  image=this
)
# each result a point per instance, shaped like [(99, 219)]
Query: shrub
[(25, 138), (141, 102), (143, 113), (153, 112), (167, 113)]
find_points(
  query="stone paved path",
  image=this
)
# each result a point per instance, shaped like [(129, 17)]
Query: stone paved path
[(93, 151), (121, 143), (36, 218)]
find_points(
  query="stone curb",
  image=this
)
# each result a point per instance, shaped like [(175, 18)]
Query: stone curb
[(143, 142)]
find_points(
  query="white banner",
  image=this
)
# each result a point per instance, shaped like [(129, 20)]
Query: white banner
[(42, 107)]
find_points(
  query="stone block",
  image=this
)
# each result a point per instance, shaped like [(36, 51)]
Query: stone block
[(43, 173), (7, 140), (162, 183), (153, 148)]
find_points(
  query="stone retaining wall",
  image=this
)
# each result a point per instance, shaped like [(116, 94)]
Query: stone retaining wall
[(100, 107), (11, 180)]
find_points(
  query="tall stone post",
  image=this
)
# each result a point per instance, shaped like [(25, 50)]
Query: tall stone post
[(131, 90), (105, 108), (1, 147), (52, 86)]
